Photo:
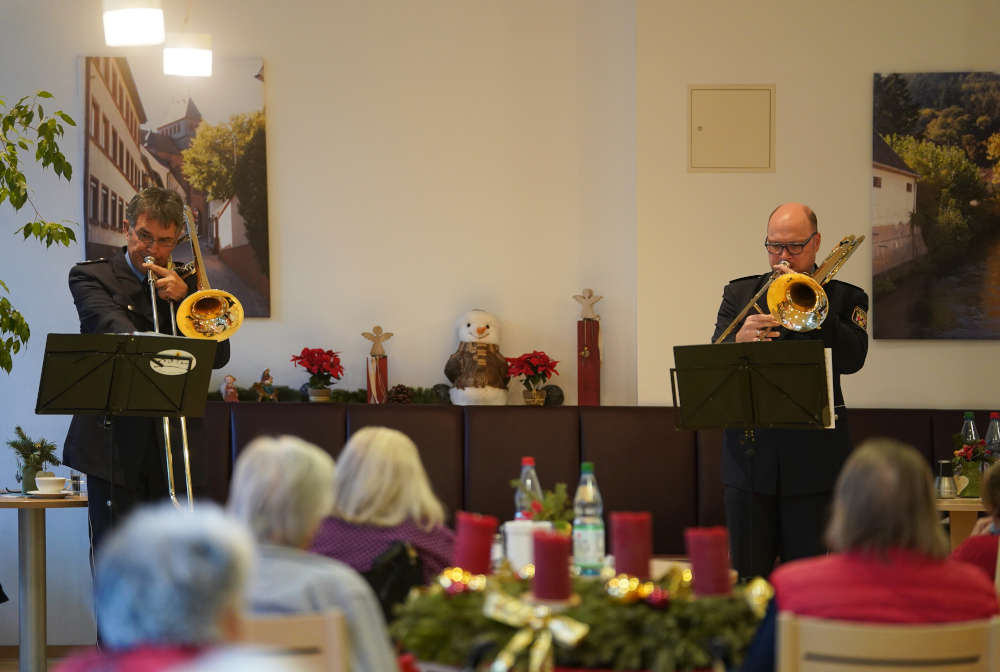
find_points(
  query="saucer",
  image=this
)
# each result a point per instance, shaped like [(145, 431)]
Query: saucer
[(38, 494)]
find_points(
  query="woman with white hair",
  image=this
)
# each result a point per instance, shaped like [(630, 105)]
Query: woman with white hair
[(282, 488), (383, 496), (168, 587)]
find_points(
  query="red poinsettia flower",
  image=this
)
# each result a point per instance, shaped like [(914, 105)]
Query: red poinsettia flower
[(536, 367), (324, 365)]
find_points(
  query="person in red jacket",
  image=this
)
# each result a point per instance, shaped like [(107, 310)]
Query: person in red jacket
[(980, 549), (890, 563)]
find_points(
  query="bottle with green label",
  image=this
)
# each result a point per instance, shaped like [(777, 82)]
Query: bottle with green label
[(588, 524)]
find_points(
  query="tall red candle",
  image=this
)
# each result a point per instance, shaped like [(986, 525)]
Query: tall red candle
[(473, 540), (708, 550), (552, 551), (632, 542)]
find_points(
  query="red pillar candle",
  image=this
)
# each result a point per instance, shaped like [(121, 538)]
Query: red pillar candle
[(552, 551), (632, 542), (588, 362), (378, 379), (708, 550), (473, 540)]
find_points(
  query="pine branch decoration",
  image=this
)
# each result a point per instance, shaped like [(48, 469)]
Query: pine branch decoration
[(31, 453)]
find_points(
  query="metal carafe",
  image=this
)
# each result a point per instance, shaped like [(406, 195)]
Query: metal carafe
[(944, 482)]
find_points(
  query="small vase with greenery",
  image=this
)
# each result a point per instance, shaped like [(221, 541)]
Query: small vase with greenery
[(32, 456)]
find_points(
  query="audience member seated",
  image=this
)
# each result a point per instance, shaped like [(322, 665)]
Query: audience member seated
[(168, 587), (282, 488), (980, 549), (383, 496), (890, 561)]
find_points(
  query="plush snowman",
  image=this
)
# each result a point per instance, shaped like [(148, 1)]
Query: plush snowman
[(477, 370)]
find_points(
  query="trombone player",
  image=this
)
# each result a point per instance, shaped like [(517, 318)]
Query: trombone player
[(113, 296), (778, 482)]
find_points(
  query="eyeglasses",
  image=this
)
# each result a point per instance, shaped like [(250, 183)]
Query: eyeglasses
[(793, 248), (147, 239)]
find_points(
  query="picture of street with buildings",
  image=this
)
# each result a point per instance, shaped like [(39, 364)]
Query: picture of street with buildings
[(201, 137), (936, 205)]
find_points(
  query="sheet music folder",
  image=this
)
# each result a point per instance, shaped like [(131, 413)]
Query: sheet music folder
[(125, 374), (786, 384)]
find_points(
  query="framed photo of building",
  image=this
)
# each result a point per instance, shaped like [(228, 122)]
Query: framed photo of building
[(205, 139), (935, 207)]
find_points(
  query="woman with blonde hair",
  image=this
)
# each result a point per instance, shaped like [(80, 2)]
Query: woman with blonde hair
[(382, 495)]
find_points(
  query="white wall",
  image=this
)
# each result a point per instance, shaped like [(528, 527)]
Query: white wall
[(696, 231), (424, 159)]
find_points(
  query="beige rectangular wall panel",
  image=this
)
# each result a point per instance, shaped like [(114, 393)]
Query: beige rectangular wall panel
[(731, 128)]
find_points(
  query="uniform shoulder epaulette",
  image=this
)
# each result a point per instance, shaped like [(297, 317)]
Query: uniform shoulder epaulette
[(100, 260), (745, 278)]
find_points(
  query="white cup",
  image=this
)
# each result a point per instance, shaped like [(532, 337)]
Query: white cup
[(519, 544), (50, 484)]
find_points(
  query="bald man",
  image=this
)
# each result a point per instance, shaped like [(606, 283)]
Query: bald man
[(778, 482)]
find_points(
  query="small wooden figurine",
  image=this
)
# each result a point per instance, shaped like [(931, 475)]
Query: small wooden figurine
[(265, 388), (229, 393)]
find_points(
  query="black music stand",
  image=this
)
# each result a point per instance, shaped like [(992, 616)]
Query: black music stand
[(124, 374), (783, 384)]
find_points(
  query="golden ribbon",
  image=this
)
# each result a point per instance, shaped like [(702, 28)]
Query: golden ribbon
[(538, 629)]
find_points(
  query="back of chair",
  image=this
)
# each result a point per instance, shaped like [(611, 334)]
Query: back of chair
[(311, 641), (820, 645)]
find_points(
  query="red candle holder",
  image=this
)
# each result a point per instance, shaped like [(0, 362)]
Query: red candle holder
[(473, 539), (552, 553), (708, 550), (632, 542)]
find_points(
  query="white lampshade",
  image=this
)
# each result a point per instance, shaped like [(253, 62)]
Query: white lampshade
[(132, 22), (188, 54)]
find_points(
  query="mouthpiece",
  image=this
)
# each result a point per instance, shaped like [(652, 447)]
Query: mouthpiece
[(150, 259)]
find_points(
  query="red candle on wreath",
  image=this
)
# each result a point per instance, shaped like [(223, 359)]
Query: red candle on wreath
[(632, 542), (708, 550), (473, 541), (552, 552)]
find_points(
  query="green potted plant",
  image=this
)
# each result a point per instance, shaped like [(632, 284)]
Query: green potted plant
[(31, 457)]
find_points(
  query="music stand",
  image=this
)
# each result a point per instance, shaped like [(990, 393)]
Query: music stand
[(124, 375), (784, 384)]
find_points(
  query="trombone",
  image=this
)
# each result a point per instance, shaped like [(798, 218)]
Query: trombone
[(205, 313), (797, 300)]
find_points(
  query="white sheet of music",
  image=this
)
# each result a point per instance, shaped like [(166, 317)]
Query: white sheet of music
[(828, 356)]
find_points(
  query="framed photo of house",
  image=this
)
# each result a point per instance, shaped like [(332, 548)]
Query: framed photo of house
[(935, 207), (205, 139)]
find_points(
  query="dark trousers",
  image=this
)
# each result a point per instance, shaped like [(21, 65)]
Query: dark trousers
[(107, 509), (764, 528)]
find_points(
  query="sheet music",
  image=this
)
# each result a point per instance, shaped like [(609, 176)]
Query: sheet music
[(828, 356)]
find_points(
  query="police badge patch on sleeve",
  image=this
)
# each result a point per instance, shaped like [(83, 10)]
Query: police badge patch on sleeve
[(860, 317)]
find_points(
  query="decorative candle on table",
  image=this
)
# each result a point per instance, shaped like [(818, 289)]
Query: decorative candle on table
[(708, 550), (552, 551), (632, 542), (473, 540)]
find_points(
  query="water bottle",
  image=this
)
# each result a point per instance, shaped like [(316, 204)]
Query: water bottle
[(969, 433), (993, 435), (529, 484), (588, 524)]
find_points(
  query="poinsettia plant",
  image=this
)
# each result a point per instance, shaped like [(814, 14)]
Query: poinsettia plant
[(973, 452), (535, 368), (323, 366)]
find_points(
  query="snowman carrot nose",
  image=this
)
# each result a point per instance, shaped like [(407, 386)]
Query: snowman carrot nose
[(481, 330)]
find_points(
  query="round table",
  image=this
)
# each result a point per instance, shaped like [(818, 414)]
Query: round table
[(31, 572), (963, 512)]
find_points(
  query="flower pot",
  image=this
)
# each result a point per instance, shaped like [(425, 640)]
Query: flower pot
[(534, 397), (972, 475), (320, 394), (28, 478)]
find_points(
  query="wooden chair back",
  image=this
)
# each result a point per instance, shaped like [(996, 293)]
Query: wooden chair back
[(309, 641), (820, 645)]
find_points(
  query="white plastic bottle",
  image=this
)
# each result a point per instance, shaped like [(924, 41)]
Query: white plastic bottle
[(588, 524), (529, 484)]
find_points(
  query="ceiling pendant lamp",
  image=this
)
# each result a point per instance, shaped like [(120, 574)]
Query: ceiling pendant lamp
[(130, 23), (188, 55)]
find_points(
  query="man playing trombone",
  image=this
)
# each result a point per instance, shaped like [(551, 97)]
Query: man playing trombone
[(778, 482), (113, 296)]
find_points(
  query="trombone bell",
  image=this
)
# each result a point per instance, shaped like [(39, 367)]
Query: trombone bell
[(210, 313), (797, 301)]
